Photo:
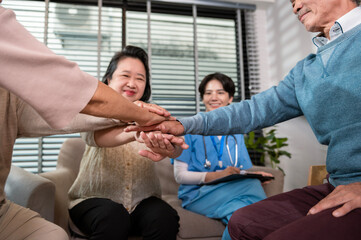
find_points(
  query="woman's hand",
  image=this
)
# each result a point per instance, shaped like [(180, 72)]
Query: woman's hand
[(264, 174), (113, 137), (219, 174), (161, 145)]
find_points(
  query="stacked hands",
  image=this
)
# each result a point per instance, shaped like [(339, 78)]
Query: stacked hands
[(161, 138), (164, 122), (161, 145), (156, 137), (163, 141)]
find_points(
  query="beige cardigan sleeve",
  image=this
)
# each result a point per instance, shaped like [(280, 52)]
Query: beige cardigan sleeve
[(88, 138), (55, 87), (31, 124)]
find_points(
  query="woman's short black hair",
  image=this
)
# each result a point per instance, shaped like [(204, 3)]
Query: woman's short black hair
[(132, 52), (227, 83)]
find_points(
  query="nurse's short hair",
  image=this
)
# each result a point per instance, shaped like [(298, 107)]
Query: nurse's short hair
[(227, 83)]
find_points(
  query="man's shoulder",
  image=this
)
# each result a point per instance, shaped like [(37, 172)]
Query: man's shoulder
[(301, 64)]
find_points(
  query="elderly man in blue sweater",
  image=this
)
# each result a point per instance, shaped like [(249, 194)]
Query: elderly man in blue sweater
[(326, 88)]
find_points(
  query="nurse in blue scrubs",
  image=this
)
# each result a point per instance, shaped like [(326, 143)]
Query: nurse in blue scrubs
[(212, 157)]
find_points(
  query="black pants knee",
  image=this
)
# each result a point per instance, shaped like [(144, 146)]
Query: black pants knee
[(155, 219), (102, 219)]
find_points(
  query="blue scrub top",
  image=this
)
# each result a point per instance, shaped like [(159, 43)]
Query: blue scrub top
[(194, 156)]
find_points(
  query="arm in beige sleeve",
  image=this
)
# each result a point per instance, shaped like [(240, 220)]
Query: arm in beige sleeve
[(108, 103), (109, 137), (31, 124), (55, 87), (113, 137)]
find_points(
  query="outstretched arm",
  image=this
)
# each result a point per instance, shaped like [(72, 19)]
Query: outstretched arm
[(155, 109), (171, 127), (38, 127), (116, 136), (108, 103), (55, 87), (112, 137)]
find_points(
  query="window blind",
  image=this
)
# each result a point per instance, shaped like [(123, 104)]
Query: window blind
[(187, 41)]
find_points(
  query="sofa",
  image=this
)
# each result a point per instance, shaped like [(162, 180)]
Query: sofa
[(54, 199)]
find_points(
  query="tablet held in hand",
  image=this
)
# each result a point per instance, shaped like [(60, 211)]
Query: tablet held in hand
[(240, 176)]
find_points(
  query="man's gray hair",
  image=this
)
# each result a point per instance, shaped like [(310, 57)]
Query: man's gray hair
[(358, 2)]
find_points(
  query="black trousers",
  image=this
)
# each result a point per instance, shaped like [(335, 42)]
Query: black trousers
[(101, 219)]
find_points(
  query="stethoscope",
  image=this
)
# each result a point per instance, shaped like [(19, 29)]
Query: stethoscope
[(207, 163)]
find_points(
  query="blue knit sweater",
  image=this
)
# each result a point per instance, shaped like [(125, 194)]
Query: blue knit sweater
[(324, 87)]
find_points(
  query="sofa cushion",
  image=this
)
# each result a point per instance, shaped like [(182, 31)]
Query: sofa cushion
[(166, 177), (193, 225)]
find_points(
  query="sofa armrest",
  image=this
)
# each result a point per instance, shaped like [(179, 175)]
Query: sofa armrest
[(276, 185), (67, 168), (62, 179), (31, 191)]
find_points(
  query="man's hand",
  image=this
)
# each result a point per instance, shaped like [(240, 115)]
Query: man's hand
[(349, 196), (161, 145), (172, 127), (155, 109)]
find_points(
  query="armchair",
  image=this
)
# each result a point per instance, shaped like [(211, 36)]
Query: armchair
[(192, 226), (317, 175), (31, 191)]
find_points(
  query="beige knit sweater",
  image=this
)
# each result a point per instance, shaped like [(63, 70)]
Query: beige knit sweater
[(118, 173)]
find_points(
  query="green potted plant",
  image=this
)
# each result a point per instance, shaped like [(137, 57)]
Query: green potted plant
[(269, 146)]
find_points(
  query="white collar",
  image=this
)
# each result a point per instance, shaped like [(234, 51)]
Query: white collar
[(350, 19), (342, 25)]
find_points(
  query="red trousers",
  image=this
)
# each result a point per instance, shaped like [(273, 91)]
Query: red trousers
[(284, 217)]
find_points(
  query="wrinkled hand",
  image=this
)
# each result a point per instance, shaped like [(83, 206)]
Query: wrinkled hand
[(156, 139), (161, 145), (349, 196), (155, 109), (172, 127), (264, 174)]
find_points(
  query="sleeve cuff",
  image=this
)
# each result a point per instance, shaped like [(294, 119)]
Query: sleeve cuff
[(193, 125)]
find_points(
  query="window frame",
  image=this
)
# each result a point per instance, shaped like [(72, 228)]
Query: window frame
[(246, 46)]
